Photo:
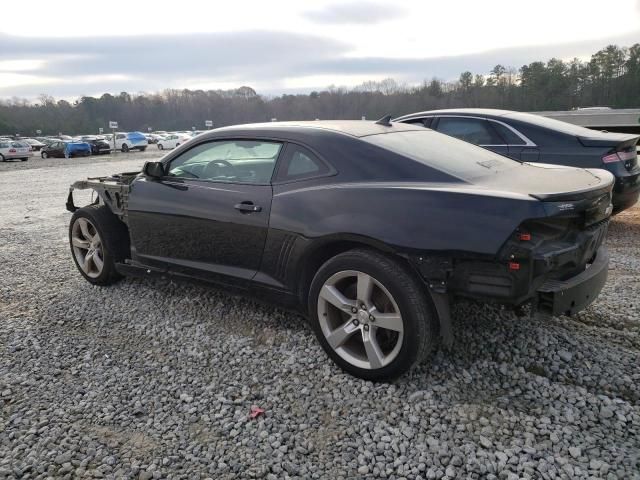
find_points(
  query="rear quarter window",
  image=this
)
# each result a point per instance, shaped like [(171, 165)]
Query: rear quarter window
[(508, 135), (300, 163)]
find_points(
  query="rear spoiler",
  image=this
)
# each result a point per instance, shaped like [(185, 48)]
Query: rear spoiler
[(620, 141), (606, 186)]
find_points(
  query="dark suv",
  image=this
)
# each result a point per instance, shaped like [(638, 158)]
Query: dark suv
[(532, 138)]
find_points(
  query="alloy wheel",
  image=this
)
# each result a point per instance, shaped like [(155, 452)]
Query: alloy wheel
[(87, 247), (360, 319)]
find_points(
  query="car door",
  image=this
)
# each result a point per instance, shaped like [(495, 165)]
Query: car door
[(56, 149), (209, 215), (473, 130)]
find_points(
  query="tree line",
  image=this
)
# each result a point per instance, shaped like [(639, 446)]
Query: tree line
[(610, 78)]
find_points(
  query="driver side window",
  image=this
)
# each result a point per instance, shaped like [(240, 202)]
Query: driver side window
[(229, 161)]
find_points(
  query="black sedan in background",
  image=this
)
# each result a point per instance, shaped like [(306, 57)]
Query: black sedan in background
[(369, 229), (99, 146), (533, 138)]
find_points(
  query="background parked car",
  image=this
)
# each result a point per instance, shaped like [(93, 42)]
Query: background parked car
[(173, 140), (10, 149), (131, 141), (98, 145), (35, 145), (532, 138), (66, 149), (154, 138)]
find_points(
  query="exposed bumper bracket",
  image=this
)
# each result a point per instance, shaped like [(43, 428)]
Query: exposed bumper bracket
[(566, 297)]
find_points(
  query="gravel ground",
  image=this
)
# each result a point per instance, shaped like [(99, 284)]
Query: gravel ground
[(156, 380)]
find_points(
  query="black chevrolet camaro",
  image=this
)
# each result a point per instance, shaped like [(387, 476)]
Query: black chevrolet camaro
[(370, 230)]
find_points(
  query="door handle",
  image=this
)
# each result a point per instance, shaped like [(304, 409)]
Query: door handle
[(247, 207)]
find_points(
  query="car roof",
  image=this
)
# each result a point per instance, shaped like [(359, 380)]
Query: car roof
[(488, 112), (354, 128)]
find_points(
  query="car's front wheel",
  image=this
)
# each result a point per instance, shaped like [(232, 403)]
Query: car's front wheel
[(160, 146), (125, 147), (371, 315), (98, 241), (44, 155)]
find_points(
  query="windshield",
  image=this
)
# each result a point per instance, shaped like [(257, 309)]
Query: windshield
[(444, 153)]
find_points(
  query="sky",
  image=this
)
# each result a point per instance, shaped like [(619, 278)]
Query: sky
[(70, 48)]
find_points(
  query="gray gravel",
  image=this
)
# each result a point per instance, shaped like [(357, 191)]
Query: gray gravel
[(151, 380)]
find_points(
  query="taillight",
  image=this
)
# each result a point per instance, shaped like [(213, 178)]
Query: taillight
[(12, 150), (619, 156)]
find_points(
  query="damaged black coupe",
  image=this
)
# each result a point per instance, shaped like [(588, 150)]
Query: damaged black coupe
[(370, 230)]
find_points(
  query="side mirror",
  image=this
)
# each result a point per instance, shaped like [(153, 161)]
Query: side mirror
[(153, 169)]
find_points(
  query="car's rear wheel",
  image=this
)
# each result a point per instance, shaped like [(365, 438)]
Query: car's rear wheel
[(24, 159), (160, 147), (125, 147), (371, 315), (44, 155), (98, 241), (142, 149)]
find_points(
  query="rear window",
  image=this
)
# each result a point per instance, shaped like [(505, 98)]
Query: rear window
[(442, 152), (551, 123)]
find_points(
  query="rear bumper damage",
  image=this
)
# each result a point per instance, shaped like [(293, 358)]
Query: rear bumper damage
[(567, 297)]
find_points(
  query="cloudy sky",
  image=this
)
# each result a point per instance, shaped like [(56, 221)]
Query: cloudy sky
[(69, 48)]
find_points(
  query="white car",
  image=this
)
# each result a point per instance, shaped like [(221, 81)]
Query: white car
[(172, 141), (130, 141), (12, 149)]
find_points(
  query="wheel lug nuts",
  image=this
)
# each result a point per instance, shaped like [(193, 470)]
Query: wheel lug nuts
[(356, 322), (372, 318), (354, 309), (366, 327)]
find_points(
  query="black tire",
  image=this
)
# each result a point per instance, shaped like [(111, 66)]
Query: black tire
[(2, 159), (115, 241), (160, 147), (44, 154), (125, 148), (142, 149), (419, 318), (24, 159)]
